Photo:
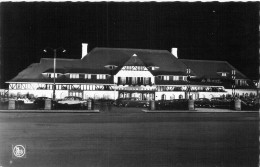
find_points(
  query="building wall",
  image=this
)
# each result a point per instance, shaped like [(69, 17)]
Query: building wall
[(241, 91), (100, 94), (38, 93), (209, 95), (169, 95)]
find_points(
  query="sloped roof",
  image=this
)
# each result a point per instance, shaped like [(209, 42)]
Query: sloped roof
[(99, 57), (33, 73), (134, 61), (212, 69)]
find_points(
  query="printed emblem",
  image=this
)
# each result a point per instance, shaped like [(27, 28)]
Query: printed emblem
[(19, 151)]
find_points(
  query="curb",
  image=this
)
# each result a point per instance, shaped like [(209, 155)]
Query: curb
[(49, 111), (196, 111)]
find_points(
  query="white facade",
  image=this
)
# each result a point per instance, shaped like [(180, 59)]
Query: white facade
[(123, 73)]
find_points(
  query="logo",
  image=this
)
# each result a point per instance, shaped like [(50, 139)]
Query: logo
[(19, 151)]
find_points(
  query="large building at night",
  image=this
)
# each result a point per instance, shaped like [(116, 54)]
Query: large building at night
[(113, 73)]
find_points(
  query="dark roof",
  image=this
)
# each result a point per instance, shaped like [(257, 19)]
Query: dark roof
[(33, 73), (99, 57), (58, 70), (212, 68)]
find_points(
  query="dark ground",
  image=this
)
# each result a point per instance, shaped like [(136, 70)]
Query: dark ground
[(130, 138)]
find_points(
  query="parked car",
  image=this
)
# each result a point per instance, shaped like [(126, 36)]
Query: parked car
[(219, 102), (25, 100), (132, 102), (180, 104), (72, 102), (202, 102), (39, 102)]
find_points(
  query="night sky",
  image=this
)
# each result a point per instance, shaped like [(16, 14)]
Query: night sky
[(212, 31)]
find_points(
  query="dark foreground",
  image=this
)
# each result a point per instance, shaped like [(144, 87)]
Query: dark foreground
[(130, 138)]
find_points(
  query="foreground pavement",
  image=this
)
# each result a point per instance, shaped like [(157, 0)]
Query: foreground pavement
[(197, 110), (129, 137)]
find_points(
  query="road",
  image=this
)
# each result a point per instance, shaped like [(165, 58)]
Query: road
[(130, 138)]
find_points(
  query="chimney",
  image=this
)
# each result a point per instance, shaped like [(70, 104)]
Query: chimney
[(84, 50), (174, 52)]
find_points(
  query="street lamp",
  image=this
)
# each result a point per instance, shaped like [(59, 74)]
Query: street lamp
[(54, 66), (188, 82), (233, 83), (111, 68)]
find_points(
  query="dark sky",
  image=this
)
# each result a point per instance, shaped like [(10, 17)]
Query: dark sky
[(212, 31)]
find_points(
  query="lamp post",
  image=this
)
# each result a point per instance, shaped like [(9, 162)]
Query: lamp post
[(188, 82), (111, 68), (54, 66), (233, 74)]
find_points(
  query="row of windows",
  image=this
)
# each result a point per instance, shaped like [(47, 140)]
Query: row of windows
[(241, 82), (134, 68), (174, 78), (77, 76), (134, 80), (193, 88)]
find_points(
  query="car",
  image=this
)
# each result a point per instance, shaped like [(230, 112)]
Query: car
[(73, 101), (132, 102), (25, 100), (39, 102), (221, 102), (181, 104), (202, 102)]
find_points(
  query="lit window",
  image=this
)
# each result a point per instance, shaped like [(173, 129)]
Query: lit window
[(146, 80), (101, 76), (134, 80), (74, 76), (87, 76), (175, 78), (165, 77), (123, 80), (51, 75), (224, 74)]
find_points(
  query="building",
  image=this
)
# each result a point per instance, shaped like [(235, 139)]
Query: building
[(113, 73)]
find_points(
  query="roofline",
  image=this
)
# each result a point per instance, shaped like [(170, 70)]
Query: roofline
[(59, 59), (204, 60), (137, 49)]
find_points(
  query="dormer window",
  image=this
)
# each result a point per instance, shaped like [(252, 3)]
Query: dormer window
[(153, 68), (223, 74), (51, 75), (74, 76)]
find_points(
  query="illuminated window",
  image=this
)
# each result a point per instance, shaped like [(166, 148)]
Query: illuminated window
[(134, 80), (101, 76), (224, 74), (87, 76), (123, 80), (146, 80), (74, 76), (51, 75), (166, 78), (175, 78)]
